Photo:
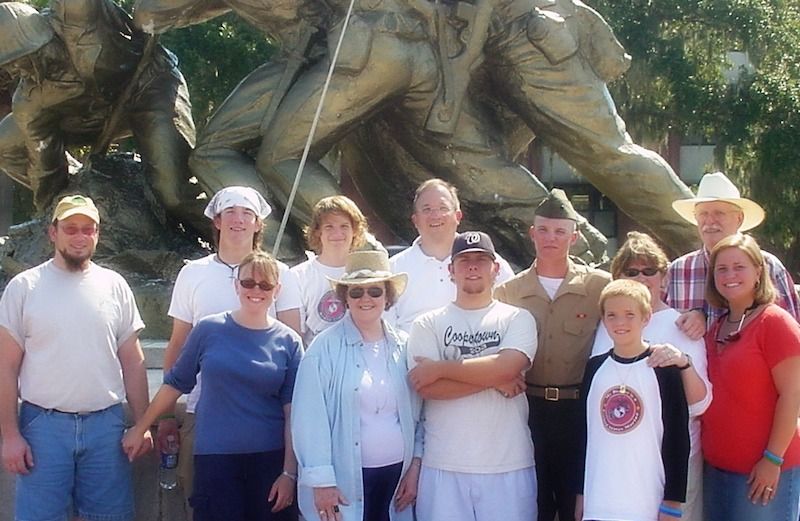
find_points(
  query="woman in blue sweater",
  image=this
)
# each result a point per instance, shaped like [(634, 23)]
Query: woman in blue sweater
[(244, 466)]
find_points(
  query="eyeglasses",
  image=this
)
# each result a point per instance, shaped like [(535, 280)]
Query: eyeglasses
[(251, 283), (633, 272), (84, 230), (357, 292), (717, 215)]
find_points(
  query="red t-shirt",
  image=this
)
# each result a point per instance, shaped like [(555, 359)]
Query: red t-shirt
[(737, 424)]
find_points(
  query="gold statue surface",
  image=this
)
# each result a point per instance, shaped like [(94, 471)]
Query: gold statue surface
[(419, 89)]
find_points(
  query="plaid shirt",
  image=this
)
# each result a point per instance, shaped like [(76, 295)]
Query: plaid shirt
[(686, 285)]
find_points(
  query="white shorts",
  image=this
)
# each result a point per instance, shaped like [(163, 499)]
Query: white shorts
[(458, 496)]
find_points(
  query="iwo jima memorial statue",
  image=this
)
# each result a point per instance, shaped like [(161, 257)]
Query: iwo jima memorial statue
[(404, 90)]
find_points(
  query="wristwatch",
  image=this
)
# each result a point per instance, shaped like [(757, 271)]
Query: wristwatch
[(688, 362)]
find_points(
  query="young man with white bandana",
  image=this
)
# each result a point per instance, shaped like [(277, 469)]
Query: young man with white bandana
[(206, 286), (467, 360)]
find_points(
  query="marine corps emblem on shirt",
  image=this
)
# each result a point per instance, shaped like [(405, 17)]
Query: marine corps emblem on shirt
[(621, 410), (330, 308)]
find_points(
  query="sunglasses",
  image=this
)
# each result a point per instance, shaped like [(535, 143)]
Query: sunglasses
[(358, 292), (251, 283), (732, 337), (633, 272)]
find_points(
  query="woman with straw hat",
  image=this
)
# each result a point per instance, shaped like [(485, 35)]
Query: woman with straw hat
[(355, 419)]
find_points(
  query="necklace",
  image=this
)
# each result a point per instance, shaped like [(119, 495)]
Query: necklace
[(629, 363), (734, 335), (232, 267), (374, 354)]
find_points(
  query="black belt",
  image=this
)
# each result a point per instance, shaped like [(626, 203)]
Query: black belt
[(57, 411), (553, 393)]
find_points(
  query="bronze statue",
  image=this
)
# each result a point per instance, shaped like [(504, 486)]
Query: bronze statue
[(421, 72), (82, 67)]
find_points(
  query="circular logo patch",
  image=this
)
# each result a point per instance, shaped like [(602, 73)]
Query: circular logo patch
[(330, 308), (621, 410)]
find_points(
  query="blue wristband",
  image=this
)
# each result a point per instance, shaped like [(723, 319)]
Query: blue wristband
[(773, 458), (674, 512)]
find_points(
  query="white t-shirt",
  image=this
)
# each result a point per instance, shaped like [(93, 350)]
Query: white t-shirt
[(320, 308), (550, 285), (381, 437), (484, 432), (662, 330), (206, 287), (625, 432), (70, 325), (429, 284)]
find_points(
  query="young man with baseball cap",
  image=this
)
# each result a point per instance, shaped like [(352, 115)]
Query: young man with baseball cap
[(206, 286), (467, 361), (718, 211), (69, 349), (563, 296)]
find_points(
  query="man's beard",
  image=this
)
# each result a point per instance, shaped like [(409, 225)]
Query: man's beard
[(75, 262)]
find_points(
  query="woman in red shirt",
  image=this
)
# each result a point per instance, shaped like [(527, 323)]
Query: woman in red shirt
[(750, 436)]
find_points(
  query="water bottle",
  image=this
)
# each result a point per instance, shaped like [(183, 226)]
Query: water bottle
[(168, 471)]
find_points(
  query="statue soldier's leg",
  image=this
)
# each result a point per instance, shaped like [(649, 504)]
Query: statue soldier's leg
[(161, 121), (13, 155), (570, 108), (397, 69), (222, 156)]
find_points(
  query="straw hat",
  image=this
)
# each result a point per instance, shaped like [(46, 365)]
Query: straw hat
[(717, 187), (370, 267)]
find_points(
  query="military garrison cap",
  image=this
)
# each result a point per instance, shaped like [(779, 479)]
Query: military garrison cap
[(556, 206)]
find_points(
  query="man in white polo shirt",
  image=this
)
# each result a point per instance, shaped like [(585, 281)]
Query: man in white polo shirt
[(437, 214), (69, 348)]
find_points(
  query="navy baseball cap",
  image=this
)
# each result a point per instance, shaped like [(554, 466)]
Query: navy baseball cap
[(472, 242)]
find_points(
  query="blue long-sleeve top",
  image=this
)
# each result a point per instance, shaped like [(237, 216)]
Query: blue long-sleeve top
[(248, 376), (326, 422)]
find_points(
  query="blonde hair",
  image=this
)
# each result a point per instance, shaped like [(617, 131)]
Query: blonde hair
[(639, 247), (629, 288), (336, 204), (764, 292), (263, 265)]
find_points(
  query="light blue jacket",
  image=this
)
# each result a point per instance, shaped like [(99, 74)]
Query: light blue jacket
[(326, 423)]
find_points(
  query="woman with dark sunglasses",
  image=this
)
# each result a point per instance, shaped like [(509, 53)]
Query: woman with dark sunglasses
[(355, 420), (244, 465), (641, 259), (751, 441)]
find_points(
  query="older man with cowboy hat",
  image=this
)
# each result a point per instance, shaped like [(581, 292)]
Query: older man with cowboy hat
[(718, 211)]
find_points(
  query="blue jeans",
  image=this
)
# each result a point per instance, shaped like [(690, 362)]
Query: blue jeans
[(725, 497), (79, 466)]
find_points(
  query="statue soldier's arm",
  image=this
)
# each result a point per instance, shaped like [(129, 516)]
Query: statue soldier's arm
[(159, 16)]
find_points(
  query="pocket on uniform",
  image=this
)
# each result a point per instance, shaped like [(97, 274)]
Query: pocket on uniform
[(574, 327)]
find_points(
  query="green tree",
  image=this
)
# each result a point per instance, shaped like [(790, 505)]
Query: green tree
[(677, 83)]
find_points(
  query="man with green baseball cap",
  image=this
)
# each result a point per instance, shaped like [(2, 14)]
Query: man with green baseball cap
[(69, 350)]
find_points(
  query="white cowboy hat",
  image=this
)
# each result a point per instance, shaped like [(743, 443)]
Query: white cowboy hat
[(717, 187), (370, 267)]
